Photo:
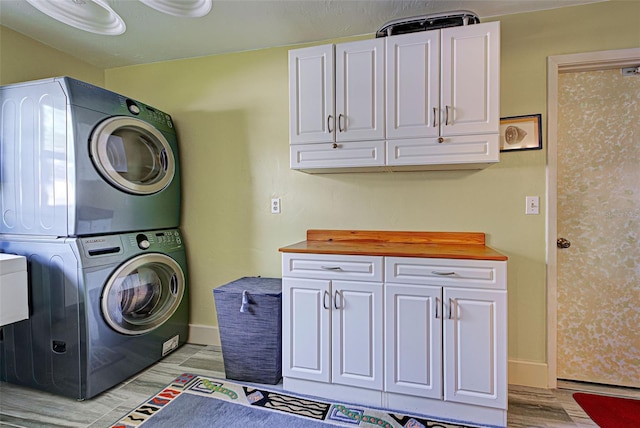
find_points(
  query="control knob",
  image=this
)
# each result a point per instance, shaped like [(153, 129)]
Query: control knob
[(143, 242)]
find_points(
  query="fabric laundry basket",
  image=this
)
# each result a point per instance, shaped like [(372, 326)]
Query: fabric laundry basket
[(250, 322)]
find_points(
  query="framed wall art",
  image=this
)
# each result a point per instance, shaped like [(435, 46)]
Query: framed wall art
[(521, 132)]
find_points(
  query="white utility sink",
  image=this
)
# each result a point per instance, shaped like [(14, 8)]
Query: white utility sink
[(14, 300)]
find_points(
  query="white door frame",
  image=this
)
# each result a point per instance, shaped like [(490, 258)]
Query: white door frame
[(555, 65)]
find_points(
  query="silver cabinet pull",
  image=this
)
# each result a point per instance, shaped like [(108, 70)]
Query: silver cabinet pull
[(435, 113), (329, 121), (330, 267), (340, 127), (324, 299), (334, 146), (335, 300), (451, 303), (437, 306), (435, 272), (446, 115)]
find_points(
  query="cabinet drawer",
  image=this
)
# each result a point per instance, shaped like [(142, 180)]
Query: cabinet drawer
[(466, 273), (461, 149), (333, 155), (332, 266)]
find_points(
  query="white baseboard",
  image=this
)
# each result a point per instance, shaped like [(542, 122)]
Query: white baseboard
[(527, 373), (203, 335)]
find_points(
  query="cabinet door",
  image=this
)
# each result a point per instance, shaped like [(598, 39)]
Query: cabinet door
[(413, 340), (413, 85), (311, 88), (306, 329), (471, 79), (357, 334), (475, 354), (360, 90)]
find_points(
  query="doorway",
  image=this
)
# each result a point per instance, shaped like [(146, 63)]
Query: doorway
[(593, 285)]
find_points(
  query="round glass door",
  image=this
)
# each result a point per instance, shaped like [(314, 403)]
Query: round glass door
[(143, 293), (132, 155)]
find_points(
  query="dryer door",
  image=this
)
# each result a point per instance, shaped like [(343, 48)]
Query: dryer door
[(132, 155), (142, 293)]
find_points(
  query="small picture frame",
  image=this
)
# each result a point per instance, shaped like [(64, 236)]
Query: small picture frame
[(521, 133)]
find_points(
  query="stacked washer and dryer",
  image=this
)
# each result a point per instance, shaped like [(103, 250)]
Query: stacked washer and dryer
[(90, 195)]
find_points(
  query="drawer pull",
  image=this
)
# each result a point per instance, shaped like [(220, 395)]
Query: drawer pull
[(330, 267), (435, 272), (437, 305)]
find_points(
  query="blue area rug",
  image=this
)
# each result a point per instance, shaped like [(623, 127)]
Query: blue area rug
[(192, 401)]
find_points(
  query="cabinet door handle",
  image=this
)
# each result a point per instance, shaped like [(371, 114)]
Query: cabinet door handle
[(335, 300), (330, 267), (324, 299), (435, 272), (451, 303), (329, 122), (437, 307), (340, 127), (435, 114), (446, 115)]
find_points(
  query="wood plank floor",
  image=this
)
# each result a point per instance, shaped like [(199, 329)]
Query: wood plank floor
[(23, 407)]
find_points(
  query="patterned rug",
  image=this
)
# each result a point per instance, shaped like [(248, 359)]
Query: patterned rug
[(198, 401)]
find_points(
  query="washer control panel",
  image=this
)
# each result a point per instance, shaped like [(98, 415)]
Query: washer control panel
[(128, 243), (156, 239)]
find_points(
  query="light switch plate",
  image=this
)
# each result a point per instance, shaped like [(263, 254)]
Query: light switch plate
[(532, 205)]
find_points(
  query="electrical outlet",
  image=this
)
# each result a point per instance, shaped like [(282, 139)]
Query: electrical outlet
[(532, 205), (275, 206)]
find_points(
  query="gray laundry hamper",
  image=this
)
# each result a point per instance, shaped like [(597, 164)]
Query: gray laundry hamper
[(250, 322)]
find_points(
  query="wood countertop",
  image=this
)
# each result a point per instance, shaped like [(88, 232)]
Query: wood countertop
[(447, 245)]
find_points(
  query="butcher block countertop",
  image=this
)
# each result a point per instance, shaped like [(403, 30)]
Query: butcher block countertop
[(446, 245)]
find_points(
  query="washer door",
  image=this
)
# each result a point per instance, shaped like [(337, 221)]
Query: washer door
[(132, 155), (142, 293)]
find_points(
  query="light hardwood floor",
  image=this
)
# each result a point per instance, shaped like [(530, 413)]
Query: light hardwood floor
[(23, 407)]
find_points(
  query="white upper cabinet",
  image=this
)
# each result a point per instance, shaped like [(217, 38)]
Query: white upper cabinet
[(444, 82), (311, 87), (424, 100), (360, 90), (413, 85), (471, 79), (345, 103), (442, 97)]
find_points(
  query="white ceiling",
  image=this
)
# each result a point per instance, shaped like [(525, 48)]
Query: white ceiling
[(237, 25)]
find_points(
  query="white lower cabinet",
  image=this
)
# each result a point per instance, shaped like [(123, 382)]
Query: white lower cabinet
[(421, 335), (332, 326), (333, 331), (475, 354), (413, 340)]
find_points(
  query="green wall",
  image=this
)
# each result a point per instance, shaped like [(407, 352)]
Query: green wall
[(231, 113), (23, 59)]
